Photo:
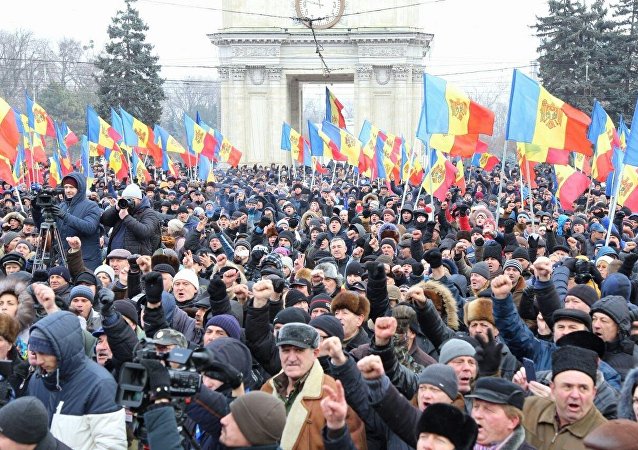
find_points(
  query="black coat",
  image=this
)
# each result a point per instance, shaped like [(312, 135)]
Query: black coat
[(142, 228)]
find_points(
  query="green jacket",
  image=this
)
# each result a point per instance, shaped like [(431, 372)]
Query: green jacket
[(542, 429)]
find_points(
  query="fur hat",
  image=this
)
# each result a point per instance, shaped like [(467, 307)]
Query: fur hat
[(618, 434), (478, 309), (389, 230), (570, 357), (450, 422), (9, 328), (355, 303)]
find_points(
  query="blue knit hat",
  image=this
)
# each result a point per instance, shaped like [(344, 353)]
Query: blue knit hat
[(81, 291), (61, 271), (227, 323), (39, 342)]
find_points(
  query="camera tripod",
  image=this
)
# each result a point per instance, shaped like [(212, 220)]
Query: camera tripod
[(49, 249)]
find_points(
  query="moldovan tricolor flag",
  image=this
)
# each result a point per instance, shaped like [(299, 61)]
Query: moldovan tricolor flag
[(441, 175), (138, 134), (348, 145), (99, 131), (537, 117), (628, 189), (602, 134), (631, 152), (292, 141), (570, 185), (9, 134), (485, 161), (465, 145), (460, 176), (39, 120), (229, 154), (334, 110), (449, 110), (197, 139), (582, 163), (70, 138), (139, 169)]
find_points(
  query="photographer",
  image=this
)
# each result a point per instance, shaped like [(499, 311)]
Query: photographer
[(75, 216), (136, 227)]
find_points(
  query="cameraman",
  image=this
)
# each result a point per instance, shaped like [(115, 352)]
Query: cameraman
[(76, 216), (136, 227)]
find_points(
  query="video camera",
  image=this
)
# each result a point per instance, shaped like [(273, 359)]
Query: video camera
[(45, 200), (185, 381)]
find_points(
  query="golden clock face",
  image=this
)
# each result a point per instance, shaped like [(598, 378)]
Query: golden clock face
[(323, 13)]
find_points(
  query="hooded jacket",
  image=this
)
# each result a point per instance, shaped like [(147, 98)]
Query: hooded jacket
[(143, 228), (80, 395), (625, 402), (82, 219)]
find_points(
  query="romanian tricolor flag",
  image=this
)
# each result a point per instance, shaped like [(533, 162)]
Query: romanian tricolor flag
[(460, 177), (99, 131), (9, 134), (538, 153), (485, 161), (570, 184), (334, 110), (39, 120), (322, 145), (198, 139), (440, 176), (465, 145), (628, 189), (230, 154), (348, 145), (139, 169), (537, 117), (449, 110), (292, 141), (602, 134)]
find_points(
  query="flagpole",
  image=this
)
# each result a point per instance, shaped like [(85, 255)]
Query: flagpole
[(312, 179), (529, 193), (429, 151), (407, 180), (426, 162), (612, 212), (500, 184)]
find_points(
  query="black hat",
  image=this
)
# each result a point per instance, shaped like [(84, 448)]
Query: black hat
[(320, 301), (182, 209), (164, 268), (520, 252), (561, 247), (298, 282), (499, 391), (572, 314), (570, 357), (493, 251), (294, 296), (291, 315), (583, 339), (354, 268), (86, 277), (585, 293), (26, 421), (450, 422), (329, 324)]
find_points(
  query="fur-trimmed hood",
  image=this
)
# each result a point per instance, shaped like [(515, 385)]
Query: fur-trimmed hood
[(369, 197), (26, 312), (305, 216), (443, 300), (481, 210), (625, 402)]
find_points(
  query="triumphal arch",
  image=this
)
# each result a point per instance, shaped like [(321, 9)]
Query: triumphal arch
[(269, 48)]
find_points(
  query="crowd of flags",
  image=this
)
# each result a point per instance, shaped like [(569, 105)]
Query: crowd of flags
[(124, 144), (578, 147)]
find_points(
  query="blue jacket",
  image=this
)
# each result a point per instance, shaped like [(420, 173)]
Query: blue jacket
[(81, 219), (80, 395)]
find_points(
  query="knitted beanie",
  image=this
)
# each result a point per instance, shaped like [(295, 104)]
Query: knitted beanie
[(260, 417), (442, 377), (227, 323), (455, 348)]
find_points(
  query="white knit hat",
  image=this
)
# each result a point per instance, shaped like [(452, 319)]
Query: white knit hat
[(175, 225), (187, 275), (107, 270), (132, 191)]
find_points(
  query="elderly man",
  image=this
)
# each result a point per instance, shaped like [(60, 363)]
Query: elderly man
[(301, 386), (352, 310), (563, 420)]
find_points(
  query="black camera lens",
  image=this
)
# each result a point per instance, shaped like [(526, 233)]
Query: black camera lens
[(125, 203)]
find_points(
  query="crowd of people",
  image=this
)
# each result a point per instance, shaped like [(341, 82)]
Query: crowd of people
[(325, 311)]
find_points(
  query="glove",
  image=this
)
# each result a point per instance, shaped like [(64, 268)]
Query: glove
[(430, 226), (278, 285), (132, 262), (532, 241), (418, 269), (216, 289), (509, 225), (216, 215), (153, 287), (106, 297), (159, 380), (255, 257), (488, 355), (376, 270), (57, 212), (434, 258), (264, 222)]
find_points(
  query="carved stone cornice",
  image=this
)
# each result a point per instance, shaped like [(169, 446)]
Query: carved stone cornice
[(363, 72), (274, 73), (401, 72), (417, 73), (251, 51)]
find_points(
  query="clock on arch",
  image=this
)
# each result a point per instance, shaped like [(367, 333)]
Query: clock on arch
[(329, 12)]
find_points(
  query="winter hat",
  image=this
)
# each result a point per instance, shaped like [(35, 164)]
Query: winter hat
[(451, 423), (616, 284), (513, 263), (39, 342), (8, 237), (493, 251), (175, 226), (354, 268), (389, 211), (25, 420), (164, 268), (391, 242), (583, 339), (329, 324), (291, 315), (132, 191), (575, 315), (616, 308), (9, 328), (243, 243), (260, 417), (585, 293), (127, 309), (232, 352), (86, 277), (463, 234), (574, 358), (355, 303), (288, 235), (81, 291), (227, 323), (441, 376), (294, 296), (320, 301), (478, 309), (61, 271), (187, 275), (521, 253), (107, 270), (455, 348), (330, 271), (498, 390), (482, 269), (617, 434)]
